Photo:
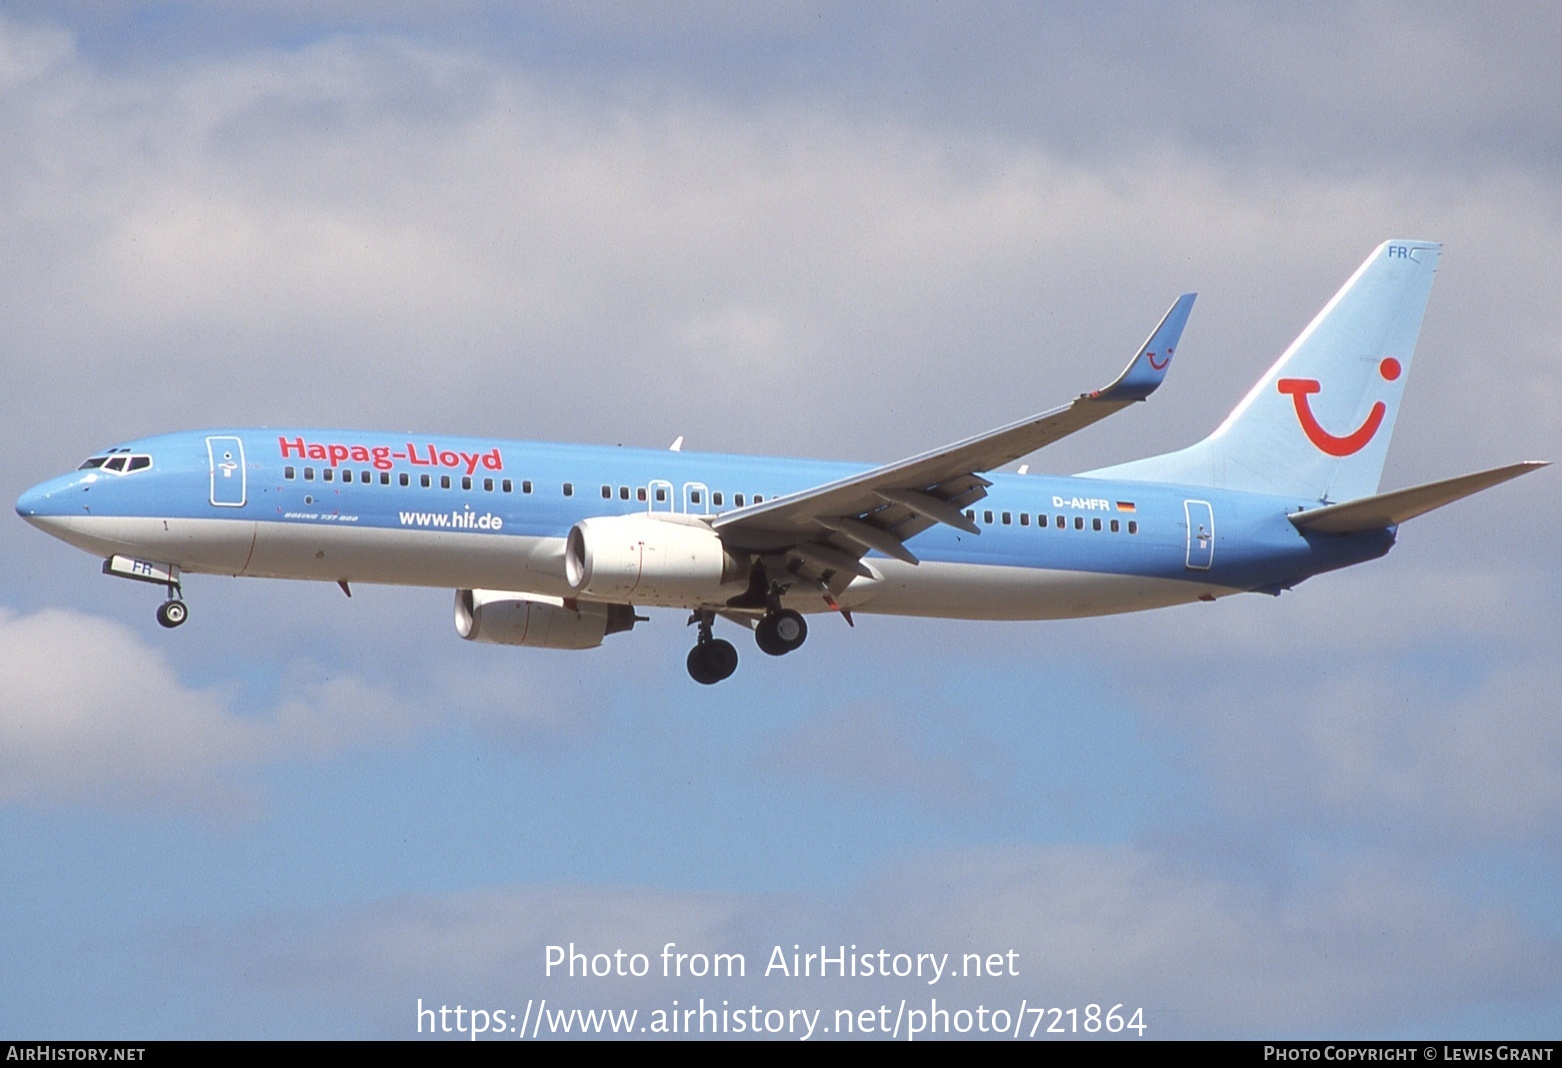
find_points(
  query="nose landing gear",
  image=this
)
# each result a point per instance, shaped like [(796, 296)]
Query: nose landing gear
[(172, 612)]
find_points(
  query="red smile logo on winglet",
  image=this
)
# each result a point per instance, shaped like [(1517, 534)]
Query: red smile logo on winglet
[(1356, 440), (1159, 365)]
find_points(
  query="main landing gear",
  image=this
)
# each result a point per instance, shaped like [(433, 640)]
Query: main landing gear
[(712, 659), (780, 631)]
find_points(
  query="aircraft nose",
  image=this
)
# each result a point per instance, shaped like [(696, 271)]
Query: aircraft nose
[(46, 504), (32, 502)]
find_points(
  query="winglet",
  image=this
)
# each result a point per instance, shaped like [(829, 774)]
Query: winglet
[(1148, 369)]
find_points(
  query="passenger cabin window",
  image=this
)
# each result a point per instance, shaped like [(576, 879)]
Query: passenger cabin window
[(1005, 518), (1061, 522), (347, 476), (607, 493), (488, 485), (694, 496), (309, 474), (623, 493), (385, 478), (716, 498), (640, 494), (425, 481), (1095, 524), (1133, 526), (1079, 522), (1114, 526), (287, 473), (737, 500), (466, 482), (526, 485), (444, 481), (1024, 519), (507, 486), (569, 489), (987, 517), (661, 494)]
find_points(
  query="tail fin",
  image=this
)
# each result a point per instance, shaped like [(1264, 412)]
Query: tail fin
[(1317, 425)]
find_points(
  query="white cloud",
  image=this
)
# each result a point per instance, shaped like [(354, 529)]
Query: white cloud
[(29, 52), (1410, 701), (96, 715), (1395, 752), (1209, 954), (483, 250), (1361, 946), (92, 712)]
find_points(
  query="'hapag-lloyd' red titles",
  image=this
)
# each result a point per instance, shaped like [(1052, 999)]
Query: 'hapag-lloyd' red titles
[(382, 457)]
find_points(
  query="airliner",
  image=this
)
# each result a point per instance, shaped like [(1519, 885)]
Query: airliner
[(559, 545)]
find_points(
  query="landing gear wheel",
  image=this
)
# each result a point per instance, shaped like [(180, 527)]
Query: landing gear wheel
[(710, 662), (781, 631), (172, 613)]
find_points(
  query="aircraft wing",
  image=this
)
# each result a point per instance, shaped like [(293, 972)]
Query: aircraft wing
[(827, 529)]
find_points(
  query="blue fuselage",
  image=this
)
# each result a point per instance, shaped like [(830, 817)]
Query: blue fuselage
[(478, 513)]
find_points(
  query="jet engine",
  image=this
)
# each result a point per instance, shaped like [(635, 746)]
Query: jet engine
[(661, 560), (501, 617)]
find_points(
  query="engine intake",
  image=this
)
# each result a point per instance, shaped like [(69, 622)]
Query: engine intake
[(501, 617)]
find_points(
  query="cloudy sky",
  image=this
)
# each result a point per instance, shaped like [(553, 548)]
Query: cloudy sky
[(851, 231)]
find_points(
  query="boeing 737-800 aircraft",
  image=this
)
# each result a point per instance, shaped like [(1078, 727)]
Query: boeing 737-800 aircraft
[(556, 545)]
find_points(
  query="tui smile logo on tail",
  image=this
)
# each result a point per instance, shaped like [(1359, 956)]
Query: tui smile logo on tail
[(1160, 365), (1356, 440)]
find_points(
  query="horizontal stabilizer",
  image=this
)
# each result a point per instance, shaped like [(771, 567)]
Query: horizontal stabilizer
[(1388, 509)]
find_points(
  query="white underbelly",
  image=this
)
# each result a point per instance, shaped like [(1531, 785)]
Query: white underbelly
[(330, 552), (979, 591), (334, 552)]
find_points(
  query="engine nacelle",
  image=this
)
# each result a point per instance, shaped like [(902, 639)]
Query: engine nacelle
[(661, 560), (501, 617)]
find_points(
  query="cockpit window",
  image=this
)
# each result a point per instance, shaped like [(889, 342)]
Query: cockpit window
[(118, 461)]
